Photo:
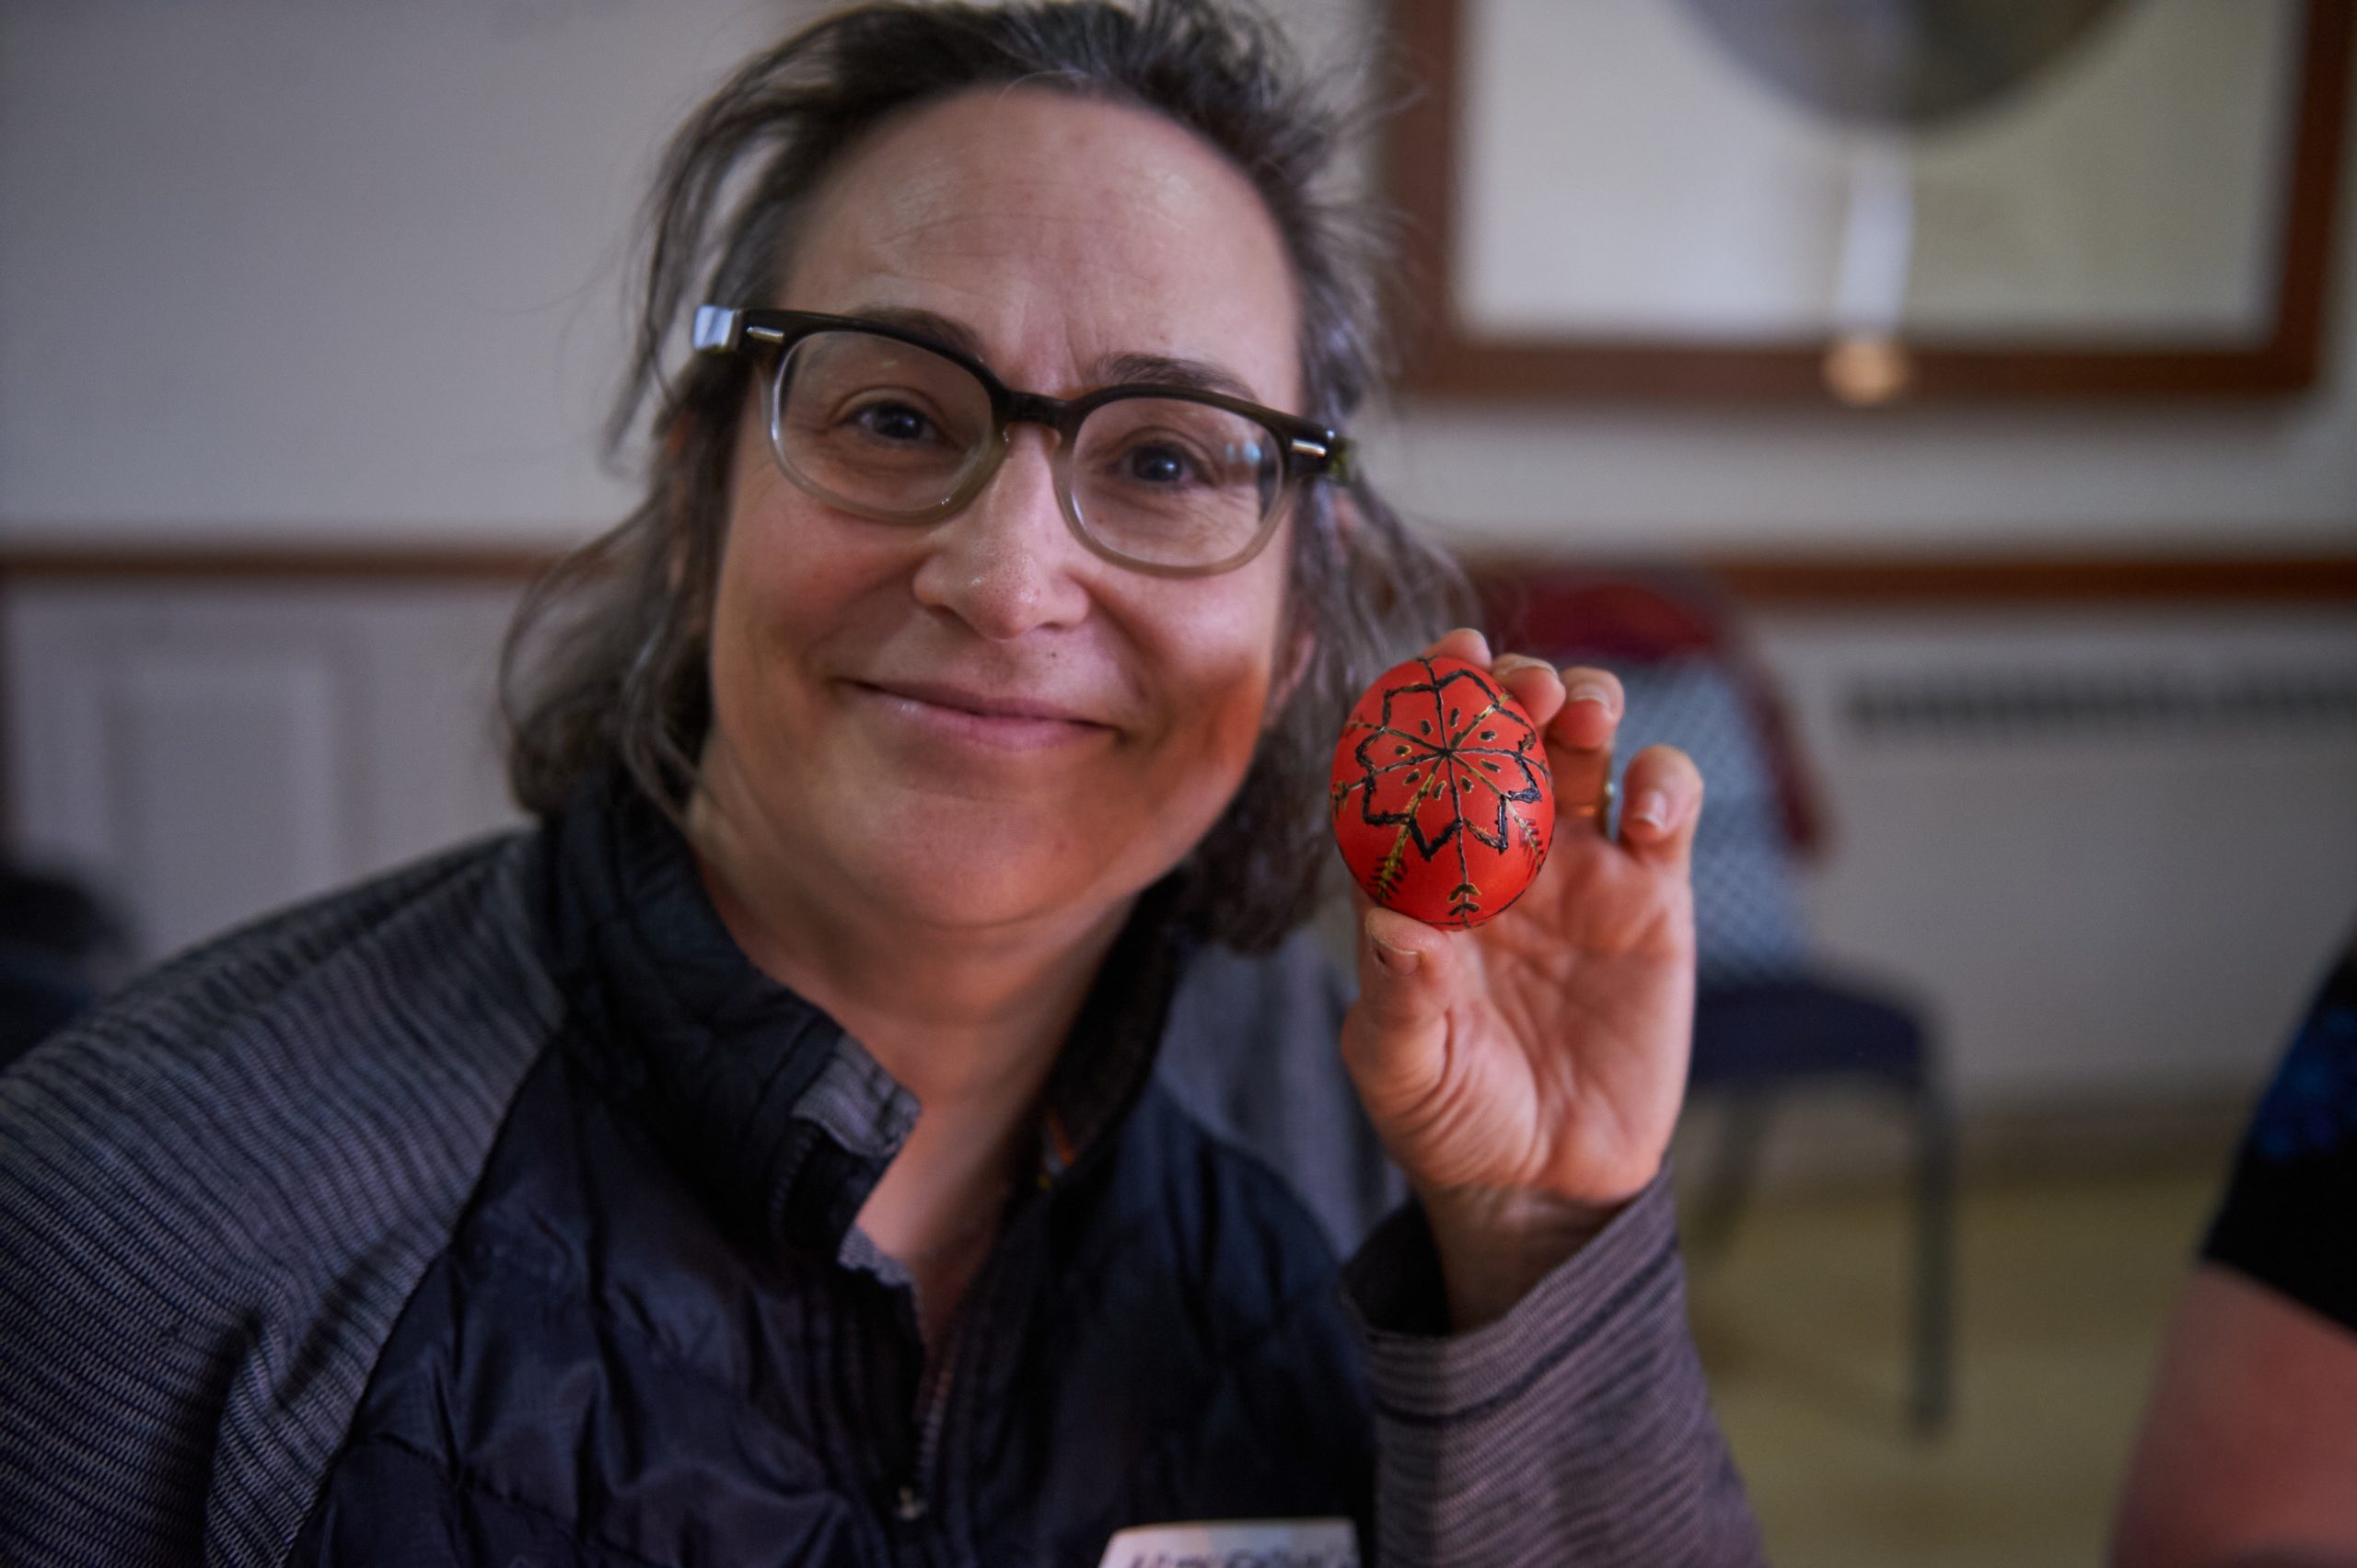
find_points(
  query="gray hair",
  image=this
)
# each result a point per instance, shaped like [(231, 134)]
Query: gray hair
[(606, 662)]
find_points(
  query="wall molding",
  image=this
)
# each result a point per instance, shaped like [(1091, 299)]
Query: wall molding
[(1857, 579)]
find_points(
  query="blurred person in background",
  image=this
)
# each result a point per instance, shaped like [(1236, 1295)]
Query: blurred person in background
[(761, 1158), (2248, 1452)]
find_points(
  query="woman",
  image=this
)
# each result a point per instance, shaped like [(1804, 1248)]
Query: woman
[(762, 1161)]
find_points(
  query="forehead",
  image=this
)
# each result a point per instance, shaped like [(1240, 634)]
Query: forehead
[(1064, 232)]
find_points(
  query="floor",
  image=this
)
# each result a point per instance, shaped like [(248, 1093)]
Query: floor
[(2064, 1284)]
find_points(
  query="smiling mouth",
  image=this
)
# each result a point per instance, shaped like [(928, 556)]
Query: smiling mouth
[(951, 714)]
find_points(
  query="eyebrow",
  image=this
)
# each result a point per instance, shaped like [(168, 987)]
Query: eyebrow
[(1165, 370), (1115, 370), (926, 324)]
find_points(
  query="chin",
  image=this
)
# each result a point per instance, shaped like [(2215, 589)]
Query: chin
[(958, 853), (979, 892)]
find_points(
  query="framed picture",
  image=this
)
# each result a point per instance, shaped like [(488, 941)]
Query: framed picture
[(1867, 201)]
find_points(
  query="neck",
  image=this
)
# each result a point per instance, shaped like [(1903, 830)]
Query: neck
[(955, 1014), (969, 1020)]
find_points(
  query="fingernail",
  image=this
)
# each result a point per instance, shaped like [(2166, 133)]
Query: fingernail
[(1590, 691), (1653, 809), (1399, 961)]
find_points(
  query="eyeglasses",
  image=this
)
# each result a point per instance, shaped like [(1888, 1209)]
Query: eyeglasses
[(891, 426)]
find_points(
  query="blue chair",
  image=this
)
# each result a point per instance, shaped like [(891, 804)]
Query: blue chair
[(1769, 1021)]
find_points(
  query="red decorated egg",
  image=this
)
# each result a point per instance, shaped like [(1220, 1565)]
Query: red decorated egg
[(1443, 803)]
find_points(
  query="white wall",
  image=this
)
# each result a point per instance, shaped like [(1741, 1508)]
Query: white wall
[(351, 270), (2137, 906), (203, 752), (289, 270)]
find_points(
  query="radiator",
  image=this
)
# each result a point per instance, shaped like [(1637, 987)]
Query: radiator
[(2133, 700), (2111, 854)]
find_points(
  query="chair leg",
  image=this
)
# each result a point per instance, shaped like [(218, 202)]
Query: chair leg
[(1731, 1169), (1935, 1261)]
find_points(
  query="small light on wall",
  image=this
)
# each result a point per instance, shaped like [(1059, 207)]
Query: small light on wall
[(1868, 369)]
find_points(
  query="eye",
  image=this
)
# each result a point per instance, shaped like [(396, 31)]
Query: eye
[(895, 424), (1159, 464)]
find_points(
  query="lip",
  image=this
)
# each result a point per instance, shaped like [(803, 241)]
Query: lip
[(957, 713)]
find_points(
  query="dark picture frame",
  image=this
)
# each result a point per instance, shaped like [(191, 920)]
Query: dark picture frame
[(1444, 359)]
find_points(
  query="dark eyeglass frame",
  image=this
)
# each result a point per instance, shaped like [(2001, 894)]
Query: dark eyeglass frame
[(1308, 450)]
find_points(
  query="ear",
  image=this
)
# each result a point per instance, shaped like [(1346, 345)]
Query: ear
[(1302, 649)]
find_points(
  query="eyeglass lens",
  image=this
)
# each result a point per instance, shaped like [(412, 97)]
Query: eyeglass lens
[(889, 428)]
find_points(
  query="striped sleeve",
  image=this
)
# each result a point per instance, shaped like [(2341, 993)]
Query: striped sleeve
[(217, 1192), (1576, 1430)]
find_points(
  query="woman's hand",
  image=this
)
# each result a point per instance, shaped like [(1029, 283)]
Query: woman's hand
[(1525, 1074)]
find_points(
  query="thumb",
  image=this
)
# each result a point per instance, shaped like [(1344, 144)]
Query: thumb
[(1394, 1039)]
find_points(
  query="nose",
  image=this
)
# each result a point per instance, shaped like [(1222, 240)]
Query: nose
[(1008, 565)]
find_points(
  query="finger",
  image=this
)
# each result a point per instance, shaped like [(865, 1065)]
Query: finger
[(1394, 1038), (1663, 805), (1533, 683), (1591, 711), (1464, 643), (1579, 742)]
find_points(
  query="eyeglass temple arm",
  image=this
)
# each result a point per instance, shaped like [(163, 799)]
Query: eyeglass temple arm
[(719, 329), (1332, 460)]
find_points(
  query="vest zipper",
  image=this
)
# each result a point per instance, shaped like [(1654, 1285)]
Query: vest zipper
[(932, 1414), (933, 1398), (913, 1502)]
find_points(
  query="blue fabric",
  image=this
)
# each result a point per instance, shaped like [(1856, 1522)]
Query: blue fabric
[(1747, 909), (2310, 1110), (1760, 1034), (2286, 1219)]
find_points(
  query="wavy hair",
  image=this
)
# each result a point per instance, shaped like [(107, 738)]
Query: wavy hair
[(607, 661)]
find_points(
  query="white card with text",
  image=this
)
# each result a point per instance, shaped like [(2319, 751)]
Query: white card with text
[(1236, 1543)]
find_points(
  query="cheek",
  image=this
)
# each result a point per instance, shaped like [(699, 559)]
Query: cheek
[(1229, 667), (775, 604), (789, 577)]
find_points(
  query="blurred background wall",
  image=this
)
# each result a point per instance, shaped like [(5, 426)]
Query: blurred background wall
[(276, 272), (336, 289)]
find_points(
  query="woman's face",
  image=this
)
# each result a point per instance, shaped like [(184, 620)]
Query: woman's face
[(980, 722)]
